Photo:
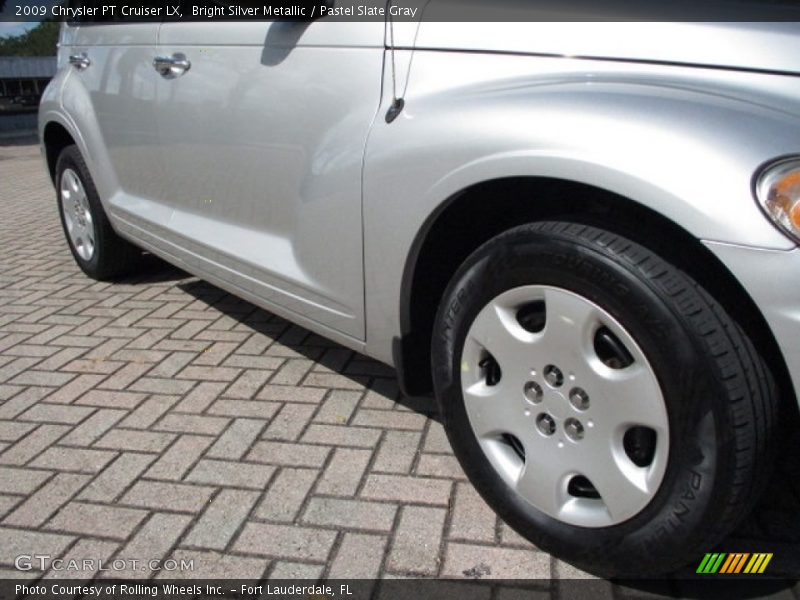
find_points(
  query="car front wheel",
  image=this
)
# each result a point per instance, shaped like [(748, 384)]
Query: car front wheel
[(600, 400)]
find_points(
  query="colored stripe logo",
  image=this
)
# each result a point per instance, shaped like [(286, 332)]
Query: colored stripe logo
[(734, 563)]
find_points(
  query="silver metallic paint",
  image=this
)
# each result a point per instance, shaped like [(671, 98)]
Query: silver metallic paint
[(484, 101)]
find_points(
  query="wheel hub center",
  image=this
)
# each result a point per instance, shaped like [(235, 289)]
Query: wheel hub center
[(79, 216), (557, 405)]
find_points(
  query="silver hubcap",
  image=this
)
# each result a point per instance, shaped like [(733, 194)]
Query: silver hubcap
[(77, 214), (569, 411)]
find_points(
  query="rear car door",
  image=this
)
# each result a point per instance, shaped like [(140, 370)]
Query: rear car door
[(114, 108), (263, 127)]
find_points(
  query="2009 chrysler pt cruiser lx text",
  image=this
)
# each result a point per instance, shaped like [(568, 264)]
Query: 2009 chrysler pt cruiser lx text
[(582, 237)]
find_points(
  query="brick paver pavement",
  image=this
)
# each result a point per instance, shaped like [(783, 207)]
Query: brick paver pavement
[(160, 417)]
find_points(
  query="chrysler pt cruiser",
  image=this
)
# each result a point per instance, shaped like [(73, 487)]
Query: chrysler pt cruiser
[(580, 237)]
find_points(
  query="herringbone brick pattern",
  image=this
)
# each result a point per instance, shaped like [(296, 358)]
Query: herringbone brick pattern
[(160, 417)]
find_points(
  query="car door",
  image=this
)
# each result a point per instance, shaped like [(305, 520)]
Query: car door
[(113, 105), (263, 127)]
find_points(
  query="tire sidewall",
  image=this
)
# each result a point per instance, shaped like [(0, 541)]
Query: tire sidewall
[(675, 520)]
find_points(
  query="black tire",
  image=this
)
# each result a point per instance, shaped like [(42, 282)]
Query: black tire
[(113, 256), (720, 397)]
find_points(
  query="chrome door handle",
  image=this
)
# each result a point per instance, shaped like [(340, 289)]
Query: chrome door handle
[(172, 66), (80, 60)]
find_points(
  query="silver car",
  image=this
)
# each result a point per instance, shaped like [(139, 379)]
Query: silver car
[(582, 237)]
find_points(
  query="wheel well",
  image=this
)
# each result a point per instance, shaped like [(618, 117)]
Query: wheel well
[(475, 215), (55, 139)]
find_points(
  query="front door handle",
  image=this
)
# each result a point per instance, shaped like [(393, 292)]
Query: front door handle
[(172, 66), (80, 60)]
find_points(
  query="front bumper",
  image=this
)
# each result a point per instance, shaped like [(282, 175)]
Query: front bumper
[(771, 279)]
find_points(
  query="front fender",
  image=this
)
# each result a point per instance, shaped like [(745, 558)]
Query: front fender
[(684, 142)]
